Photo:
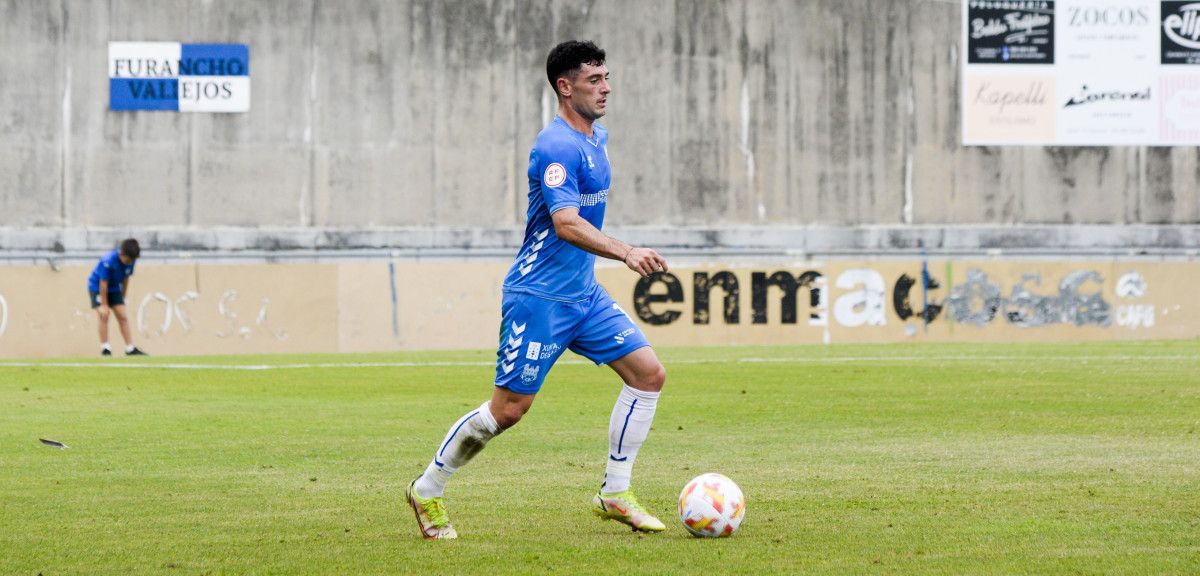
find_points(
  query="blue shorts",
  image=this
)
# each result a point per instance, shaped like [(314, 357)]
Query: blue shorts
[(114, 299), (536, 331)]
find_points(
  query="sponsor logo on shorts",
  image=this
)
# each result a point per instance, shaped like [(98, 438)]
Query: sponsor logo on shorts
[(548, 350), (530, 373), (534, 349), (620, 338)]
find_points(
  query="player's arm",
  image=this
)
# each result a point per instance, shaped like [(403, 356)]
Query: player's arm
[(104, 293), (125, 287), (574, 229)]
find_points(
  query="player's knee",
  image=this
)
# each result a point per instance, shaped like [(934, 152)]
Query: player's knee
[(653, 380), (660, 377), (510, 414), (103, 314)]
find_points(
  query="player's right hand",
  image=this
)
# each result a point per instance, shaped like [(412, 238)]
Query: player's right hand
[(645, 261)]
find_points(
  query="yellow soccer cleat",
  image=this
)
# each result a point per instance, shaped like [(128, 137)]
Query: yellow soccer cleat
[(432, 518), (623, 507)]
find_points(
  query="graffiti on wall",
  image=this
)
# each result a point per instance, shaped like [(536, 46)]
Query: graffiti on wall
[(168, 312), (233, 326), (864, 297), (171, 311), (979, 301)]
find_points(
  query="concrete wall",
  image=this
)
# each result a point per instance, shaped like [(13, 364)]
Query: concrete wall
[(386, 115), (382, 305)]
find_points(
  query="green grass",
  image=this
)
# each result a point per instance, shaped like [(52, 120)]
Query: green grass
[(939, 459)]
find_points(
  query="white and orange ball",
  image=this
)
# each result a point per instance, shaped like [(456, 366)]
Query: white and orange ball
[(711, 506)]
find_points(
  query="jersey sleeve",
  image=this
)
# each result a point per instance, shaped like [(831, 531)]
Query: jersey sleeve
[(559, 163)]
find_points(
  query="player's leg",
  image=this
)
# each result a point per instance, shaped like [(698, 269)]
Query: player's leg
[(120, 312), (102, 323), (520, 371), (628, 427), (612, 338), (633, 413), (466, 438)]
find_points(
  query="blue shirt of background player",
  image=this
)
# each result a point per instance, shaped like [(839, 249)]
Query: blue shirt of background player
[(112, 270), (566, 169)]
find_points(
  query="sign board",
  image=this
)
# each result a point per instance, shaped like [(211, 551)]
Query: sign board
[(1081, 73), (212, 308), (178, 77)]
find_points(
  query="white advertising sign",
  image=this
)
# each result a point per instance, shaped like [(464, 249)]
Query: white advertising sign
[(178, 77), (1081, 73)]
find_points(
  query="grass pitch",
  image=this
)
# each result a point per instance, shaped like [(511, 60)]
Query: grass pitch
[(946, 459)]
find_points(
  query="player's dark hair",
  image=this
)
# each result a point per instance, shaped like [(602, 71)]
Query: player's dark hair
[(130, 248), (567, 58)]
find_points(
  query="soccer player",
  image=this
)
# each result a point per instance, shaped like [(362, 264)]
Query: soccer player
[(107, 287), (552, 303)]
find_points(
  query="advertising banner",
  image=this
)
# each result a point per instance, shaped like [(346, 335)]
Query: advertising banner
[(384, 305), (178, 77), (1181, 32), (937, 301), (1081, 73), (1018, 109), (1010, 32)]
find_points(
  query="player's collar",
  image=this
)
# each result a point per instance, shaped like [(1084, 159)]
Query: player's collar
[(594, 139)]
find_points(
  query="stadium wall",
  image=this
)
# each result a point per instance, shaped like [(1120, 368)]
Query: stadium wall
[(380, 123), (214, 308)]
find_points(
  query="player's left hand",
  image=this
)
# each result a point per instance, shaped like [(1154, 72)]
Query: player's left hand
[(645, 261)]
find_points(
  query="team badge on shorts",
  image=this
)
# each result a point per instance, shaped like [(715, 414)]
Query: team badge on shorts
[(529, 373)]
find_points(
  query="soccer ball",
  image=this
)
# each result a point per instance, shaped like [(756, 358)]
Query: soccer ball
[(711, 506)]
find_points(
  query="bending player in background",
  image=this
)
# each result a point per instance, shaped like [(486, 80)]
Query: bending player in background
[(553, 303), (107, 287)]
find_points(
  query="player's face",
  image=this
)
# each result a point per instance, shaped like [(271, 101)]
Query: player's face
[(589, 91)]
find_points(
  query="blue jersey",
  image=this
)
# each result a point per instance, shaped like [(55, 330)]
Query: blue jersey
[(111, 269), (567, 169)]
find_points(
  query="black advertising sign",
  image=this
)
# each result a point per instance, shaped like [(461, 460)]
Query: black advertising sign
[(1180, 32), (1010, 31)]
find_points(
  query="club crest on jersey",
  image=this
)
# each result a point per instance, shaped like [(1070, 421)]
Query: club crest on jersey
[(555, 175), (530, 373)]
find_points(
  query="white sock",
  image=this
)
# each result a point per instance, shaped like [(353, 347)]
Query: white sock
[(464, 440), (130, 348), (627, 429), (105, 346)]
